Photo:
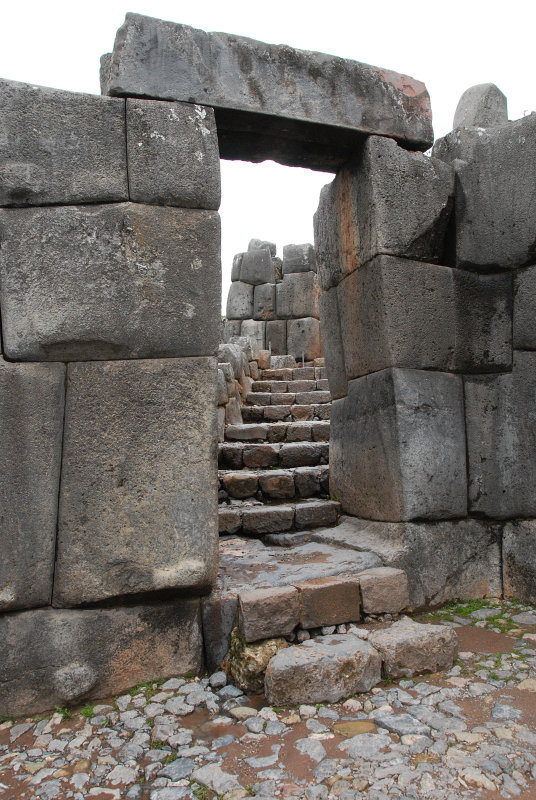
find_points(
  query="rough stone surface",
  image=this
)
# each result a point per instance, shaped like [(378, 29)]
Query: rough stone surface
[(303, 338), (60, 147), (173, 157), (444, 561), (51, 657), (328, 601), (257, 267), (519, 561), (384, 590), (264, 301), (255, 330), (265, 613), (31, 429), (395, 312), (276, 336), (397, 446), (219, 612), (260, 244), (481, 106), (145, 432), (319, 670), (524, 330), (291, 92), (501, 441), (495, 193), (240, 301), (298, 258), (332, 342), (109, 281), (248, 662), (297, 296), (408, 648)]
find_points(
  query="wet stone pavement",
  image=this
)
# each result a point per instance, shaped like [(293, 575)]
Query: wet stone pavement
[(469, 732)]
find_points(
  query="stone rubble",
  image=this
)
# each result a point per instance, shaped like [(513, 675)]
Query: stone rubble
[(460, 734)]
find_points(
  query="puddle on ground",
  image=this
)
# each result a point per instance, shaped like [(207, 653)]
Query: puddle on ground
[(481, 640)]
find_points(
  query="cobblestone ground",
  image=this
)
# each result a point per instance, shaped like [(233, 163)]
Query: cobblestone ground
[(467, 733)]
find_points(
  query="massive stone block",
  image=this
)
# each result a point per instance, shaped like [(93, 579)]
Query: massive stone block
[(395, 312), (386, 201), (240, 301), (495, 193), (31, 428), (524, 332), (303, 338), (309, 109), (51, 657), (173, 157), (298, 258), (276, 336), (109, 281), (519, 562), (138, 500), (257, 266), (501, 441), (60, 147), (256, 330), (481, 106), (397, 446), (264, 301), (332, 344), (297, 296)]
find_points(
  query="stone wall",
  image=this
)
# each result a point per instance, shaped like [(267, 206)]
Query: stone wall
[(110, 297), (274, 301), (427, 318)]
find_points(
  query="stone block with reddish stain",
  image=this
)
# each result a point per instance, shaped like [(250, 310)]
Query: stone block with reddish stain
[(265, 613), (267, 519), (241, 484), (278, 484), (328, 601), (384, 590), (261, 455), (408, 648)]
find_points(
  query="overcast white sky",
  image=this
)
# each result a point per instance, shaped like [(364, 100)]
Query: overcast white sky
[(450, 46)]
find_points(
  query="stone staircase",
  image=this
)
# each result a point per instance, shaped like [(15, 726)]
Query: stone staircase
[(273, 468)]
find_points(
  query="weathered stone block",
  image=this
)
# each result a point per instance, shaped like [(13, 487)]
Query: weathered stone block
[(219, 612), (297, 296), (276, 336), (287, 89), (524, 332), (265, 613), (328, 601), (387, 201), (231, 328), (332, 343), (495, 193), (397, 446), (31, 429), (481, 106), (316, 513), (384, 590), (519, 562), (145, 432), (303, 338), (264, 301), (501, 441), (241, 484), (229, 520), (240, 301), (267, 519), (326, 669), (298, 258), (256, 267), (173, 157), (408, 648), (254, 329), (395, 312), (51, 657), (260, 244), (109, 281), (277, 484), (60, 147), (247, 662)]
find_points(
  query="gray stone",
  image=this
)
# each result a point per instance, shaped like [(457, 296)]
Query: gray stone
[(303, 338), (332, 342), (395, 312), (145, 432), (402, 724), (267, 519), (215, 778), (223, 391), (387, 201), (264, 301), (60, 147), (297, 296), (231, 328), (51, 657), (180, 768), (298, 258), (501, 441), (31, 430), (367, 746), (254, 329), (524, 332), (519, 560), (276, 336), (408, 648), (256, 267), (326, 669), (298, 116), (495, 193), (240, 301), (397, 446), (219, 610), (260, 244), (109, 281), (481, 106), (384, 590), (266, 613), (173, 157), (443, 561)]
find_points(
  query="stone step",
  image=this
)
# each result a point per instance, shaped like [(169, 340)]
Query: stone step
[(274, 484), (287, 398), (236, 455), (301, 431), (259, 520), (322, 411), (277, 387), (296, 374)]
